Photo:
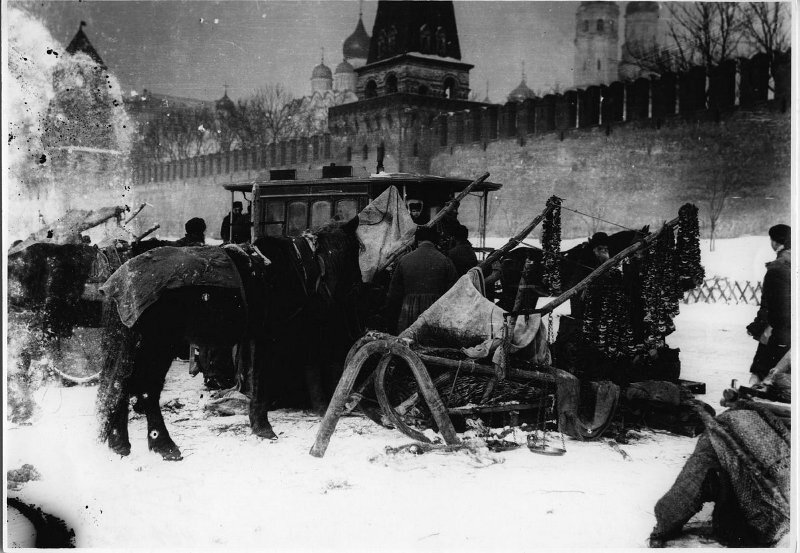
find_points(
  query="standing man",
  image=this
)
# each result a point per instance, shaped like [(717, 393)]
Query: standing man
[(237, 222), (195, 233), (461, 254), (773, 324), (420, 278)]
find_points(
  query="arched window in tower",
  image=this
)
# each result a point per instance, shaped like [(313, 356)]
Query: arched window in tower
[(365, 152), (600, 25), (598, 65), (611, 25), (349, 153), (585, 25), (585, 65), (371, 89), (422, 90), (391, 83), (391, 40), (449, 88), (425, 39), (415, 152), (441, 42)]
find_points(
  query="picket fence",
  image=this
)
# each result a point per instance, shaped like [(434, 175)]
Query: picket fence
[(724, 290)]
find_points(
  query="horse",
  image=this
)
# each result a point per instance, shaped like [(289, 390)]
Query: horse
[(278, 313)]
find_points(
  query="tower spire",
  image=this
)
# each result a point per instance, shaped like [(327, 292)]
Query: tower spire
[(360, 8), (322, 55), (523, 71)]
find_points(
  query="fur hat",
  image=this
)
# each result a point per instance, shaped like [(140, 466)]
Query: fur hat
[(782, 234), (237, 204), (195, 225), (598, 239)]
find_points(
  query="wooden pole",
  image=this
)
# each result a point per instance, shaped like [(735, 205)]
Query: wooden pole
[(450, 206), (147, 232), (520, 236), (594, 275), (135, 213)]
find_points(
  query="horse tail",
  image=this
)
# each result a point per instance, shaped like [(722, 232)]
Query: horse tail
[(118, 344)]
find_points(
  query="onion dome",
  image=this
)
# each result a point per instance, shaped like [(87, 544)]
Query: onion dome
[(344, 67), (225, 104), (357, 45), (321, 71), (521, 93), (641, 7)]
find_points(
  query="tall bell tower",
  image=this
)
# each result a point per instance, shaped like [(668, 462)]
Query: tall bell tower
[(596, 43)]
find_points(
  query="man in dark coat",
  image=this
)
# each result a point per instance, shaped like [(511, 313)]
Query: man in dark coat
[(240, 226), (598, 244), (195, 233), (461, 254), (775, 315), (420, 278)]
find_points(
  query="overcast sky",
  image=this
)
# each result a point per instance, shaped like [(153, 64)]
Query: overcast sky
[(191, 48)]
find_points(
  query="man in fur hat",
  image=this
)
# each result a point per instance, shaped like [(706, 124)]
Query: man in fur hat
[(773, 324)]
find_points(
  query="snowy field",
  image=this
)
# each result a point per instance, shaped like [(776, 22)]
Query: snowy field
[(233, 490)]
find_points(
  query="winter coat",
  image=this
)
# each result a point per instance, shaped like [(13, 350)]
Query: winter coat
[(241, 229), (421, 277), (776, 298), (463, 257)]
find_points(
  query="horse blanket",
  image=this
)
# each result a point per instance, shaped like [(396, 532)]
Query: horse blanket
[(383, 226), (140, 281)]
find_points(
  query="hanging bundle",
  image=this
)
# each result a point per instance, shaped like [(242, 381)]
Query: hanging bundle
[(660, 290), (551, 244), (690, 270), (607, 317)]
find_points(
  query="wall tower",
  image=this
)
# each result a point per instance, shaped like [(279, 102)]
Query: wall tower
[(596, 43)]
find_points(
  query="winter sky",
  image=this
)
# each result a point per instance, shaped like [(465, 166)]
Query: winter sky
[(192, 48)]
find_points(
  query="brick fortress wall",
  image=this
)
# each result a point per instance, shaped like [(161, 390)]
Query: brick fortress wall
[(630, 153)]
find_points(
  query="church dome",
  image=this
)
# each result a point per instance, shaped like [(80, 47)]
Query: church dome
[(521, 93), (357, 44), (641, 7), (321, 71), (225, 104), (344, 67)]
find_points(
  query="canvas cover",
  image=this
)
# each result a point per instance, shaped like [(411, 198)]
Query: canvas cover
[(465, 317), (383, 226), (67, 229), (140, 281)]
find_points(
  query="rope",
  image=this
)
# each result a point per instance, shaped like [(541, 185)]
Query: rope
[(597, 218)]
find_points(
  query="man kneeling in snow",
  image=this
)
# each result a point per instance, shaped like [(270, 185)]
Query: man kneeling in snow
[(742, 464)]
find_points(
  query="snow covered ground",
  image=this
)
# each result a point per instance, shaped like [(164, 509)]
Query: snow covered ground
[(233, 490)]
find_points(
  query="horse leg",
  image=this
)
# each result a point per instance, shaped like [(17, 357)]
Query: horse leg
[(313, 380), (149, 397), (117, 431), (259, 391)]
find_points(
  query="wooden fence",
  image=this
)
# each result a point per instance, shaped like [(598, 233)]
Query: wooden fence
[(723, 290)]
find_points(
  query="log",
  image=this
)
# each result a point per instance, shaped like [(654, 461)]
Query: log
[(392, 257), (472, 367), (605, 267), (518, 238), (135, 213), (146, 233)]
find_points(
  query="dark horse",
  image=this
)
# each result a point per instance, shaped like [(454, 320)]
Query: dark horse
[(575, 265), (278, 317)]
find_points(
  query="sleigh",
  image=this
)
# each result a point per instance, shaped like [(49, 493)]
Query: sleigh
[(501, 384)]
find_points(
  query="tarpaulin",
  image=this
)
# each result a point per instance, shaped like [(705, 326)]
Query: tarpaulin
[(140, 281), (464, 317), (383, 226)]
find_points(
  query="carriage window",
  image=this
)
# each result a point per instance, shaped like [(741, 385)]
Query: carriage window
[(273, 218), (346, 210), (320, 213), (297, 217)]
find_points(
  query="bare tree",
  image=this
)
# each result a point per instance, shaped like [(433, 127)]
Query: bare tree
[(178, 133), (766, 28), (699, 33)]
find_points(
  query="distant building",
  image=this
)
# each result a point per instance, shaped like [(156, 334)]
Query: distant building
[(642, 29), (596, 43), (521, 93)]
